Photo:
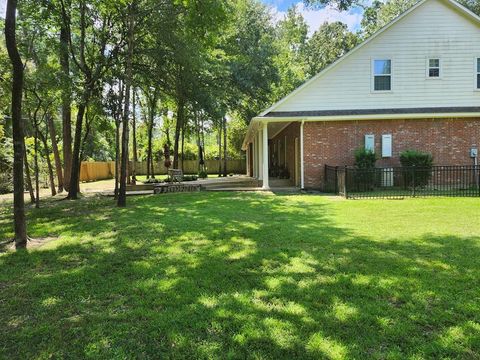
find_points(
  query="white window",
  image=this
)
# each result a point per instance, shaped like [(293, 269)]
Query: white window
[(387, 145), (477, 73), (433, 68), (370, 142), (382, 75)]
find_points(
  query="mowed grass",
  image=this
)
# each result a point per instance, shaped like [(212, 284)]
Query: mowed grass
[(244, 275)]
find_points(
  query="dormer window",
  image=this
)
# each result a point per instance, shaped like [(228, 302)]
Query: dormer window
[(433, 70), (382, 75)]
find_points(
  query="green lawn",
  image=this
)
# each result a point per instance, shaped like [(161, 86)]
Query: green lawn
[(245, 275)]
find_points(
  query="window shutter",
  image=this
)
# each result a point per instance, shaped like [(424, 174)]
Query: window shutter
[(370, 142), (387, 145)]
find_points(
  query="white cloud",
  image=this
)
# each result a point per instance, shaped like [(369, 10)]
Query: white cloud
[(316, 17)]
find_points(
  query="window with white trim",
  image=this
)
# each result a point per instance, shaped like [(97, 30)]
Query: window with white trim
[(370, 142), (387, 145), (382, 75), (477, 73), (433, 71)]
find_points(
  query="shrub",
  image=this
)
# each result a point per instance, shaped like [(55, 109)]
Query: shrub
[(190, 177), (203, 174), (365, 159), (420, 165), (416, 158), (152, 181), (364, 175)]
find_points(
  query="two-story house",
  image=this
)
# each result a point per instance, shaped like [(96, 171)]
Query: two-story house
[(415, 84)]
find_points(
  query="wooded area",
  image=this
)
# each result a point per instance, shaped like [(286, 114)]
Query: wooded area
[(138, 80)]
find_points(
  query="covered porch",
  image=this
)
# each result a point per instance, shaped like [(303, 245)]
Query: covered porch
[(275, 151)]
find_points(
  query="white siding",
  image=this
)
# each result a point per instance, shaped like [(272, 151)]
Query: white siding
[(434, 29)]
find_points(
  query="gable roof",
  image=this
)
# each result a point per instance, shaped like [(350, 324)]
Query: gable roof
[(462, 9)]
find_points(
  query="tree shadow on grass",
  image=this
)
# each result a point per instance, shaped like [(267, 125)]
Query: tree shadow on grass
[(234, 276)]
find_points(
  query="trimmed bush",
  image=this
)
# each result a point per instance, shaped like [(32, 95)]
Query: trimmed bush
[(419, 166), (202, 175), (416, 158), (365, 159), (364, 177)]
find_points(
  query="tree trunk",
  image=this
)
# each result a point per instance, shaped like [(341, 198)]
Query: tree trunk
[(151, 115), (224, 146), (117, 153), (220, 150), (29, 178), (134, 140), (178, 128), (76, 161), (66, 114), (56, 153), (183, 147), (199, 143), (36, 169), (122, 197), (20, 224), (202, 131), (51, 177)]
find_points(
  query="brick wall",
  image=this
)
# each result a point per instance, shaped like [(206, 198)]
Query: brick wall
[(334, 143)]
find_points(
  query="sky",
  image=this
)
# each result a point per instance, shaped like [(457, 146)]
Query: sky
[(314, 18)]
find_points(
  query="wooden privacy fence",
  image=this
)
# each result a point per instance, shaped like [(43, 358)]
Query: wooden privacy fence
[(191, 167), (96, 170)]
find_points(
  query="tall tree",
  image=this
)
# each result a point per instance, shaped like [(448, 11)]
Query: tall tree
[(328, 43), (17, 125), (92, 49), (122, 196), (66, 106)]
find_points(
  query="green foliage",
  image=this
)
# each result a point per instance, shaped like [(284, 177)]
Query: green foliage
[(339, 4), (419, 166), (328, 43), (416, 158), (381, 13), (237, 129), (202, 174), (6, 162), (291, 39), (365, 158)]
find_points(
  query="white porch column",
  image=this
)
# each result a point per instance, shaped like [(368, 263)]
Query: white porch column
[(260, 153), (265, 156), (254, 155), (302, 175), (247, 161)]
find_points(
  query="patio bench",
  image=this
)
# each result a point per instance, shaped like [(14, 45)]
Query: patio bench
[(176, 175)]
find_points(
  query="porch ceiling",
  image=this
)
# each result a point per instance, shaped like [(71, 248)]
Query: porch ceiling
[(275, 128)]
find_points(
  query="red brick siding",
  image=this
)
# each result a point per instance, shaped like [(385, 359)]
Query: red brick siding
[(334, 143)]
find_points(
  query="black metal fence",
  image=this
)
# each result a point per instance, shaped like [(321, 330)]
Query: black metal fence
[(400, 182)]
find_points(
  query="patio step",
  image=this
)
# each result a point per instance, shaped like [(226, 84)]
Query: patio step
[(280, 182), (230, 184)]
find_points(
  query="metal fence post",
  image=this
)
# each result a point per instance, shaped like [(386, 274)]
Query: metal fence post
[(336, 180), (345, 183), (477, 169), (413, 180)]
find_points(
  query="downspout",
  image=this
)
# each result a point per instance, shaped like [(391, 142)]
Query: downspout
[(302, 167)]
